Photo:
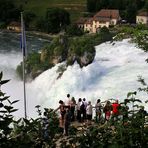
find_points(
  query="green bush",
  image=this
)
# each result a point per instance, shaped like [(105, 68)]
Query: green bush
[(74, 30), (6, 117), (81, 45), (141, 37), (24, 132), (105, 36)]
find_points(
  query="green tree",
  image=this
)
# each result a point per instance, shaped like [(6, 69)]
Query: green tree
[(91, 5), (105, 34), (96, 5), (141, 39), (115, 4), (131, 11), (8, 11), (74, 30), (57, 19), (41, 24), (146, 5), (101, 4), (28, 17), (140, 3)]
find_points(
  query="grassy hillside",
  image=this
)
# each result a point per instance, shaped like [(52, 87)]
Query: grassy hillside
[(76, 7)]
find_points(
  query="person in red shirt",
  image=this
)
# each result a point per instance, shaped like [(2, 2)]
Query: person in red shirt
[(115, 110)]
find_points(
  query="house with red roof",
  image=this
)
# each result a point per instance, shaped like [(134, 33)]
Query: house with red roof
[(81, 21), (88, 25), (105, 17), (142, 17)]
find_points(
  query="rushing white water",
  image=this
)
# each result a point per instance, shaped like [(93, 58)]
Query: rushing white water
[(112, 75)]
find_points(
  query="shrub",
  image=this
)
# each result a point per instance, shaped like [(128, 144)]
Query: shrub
[(141, 38), (6, 117), (105, 34), (74, 30)]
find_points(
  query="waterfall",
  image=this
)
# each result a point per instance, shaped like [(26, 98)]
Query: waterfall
[(113, 73)]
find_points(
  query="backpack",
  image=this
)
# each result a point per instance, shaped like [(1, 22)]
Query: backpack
[(82, 107)]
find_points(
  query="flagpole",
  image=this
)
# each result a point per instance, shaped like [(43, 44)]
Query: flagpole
[(23, 65)]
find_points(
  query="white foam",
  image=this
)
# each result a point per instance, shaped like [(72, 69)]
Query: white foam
[(112, 75)]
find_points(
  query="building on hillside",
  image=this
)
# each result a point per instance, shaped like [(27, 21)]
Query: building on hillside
[(80, 22), (88, 25), (14, 26), (142, 17), (105, 17)]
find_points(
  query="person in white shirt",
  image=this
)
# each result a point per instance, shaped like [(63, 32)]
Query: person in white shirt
[(89, 112), (68, 100)]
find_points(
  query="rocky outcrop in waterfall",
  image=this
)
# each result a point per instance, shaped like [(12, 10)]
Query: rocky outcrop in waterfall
[(62, 48), (69, 50)]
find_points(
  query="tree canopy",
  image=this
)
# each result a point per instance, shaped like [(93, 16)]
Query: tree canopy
[(8, 11), (56, 19)]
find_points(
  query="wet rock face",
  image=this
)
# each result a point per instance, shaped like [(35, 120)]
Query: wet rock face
[(87, 58), (83, 60), (56, 53), (63, 49)]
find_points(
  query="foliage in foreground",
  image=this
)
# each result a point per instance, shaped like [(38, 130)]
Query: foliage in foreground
[(130, 130), (23, 132)]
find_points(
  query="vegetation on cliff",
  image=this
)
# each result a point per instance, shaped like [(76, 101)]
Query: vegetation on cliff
[(138, 34), (64, 48)]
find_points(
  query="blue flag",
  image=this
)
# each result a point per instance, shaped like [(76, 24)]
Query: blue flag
[(23, 36)]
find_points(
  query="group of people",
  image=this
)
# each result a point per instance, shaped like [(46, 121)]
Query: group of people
[(82, 111)]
